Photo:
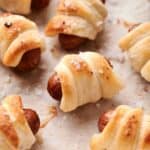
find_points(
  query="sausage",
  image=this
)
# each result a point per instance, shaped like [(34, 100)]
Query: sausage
[(104, 1), (30, 60), (39, 4), (133, 27), (70, 42), (104, 119), (54, 87), (32, 119)]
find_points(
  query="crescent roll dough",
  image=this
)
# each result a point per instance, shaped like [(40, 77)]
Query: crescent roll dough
[(15, 133), (137, 42), (85, 78), (128, 129), (16, 6), (83, 18), (18, 36)]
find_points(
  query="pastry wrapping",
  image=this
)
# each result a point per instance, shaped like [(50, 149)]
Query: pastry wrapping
[(137, 43), (18, 36), (82, 18), (23, 7), (128, 129), (85, 78), (15, 133), (16, 6)]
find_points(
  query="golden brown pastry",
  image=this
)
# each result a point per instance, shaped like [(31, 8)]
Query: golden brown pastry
[(22, 6), (76, 21), (126, 129), (137, 43), (18, 126), (20, 42), (81, 79)]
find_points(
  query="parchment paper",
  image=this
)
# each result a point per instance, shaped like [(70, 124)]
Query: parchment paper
[(73, 131)]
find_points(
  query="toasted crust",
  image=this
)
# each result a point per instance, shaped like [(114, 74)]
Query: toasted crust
[(134, 36), (126, 130), (16, 6), (83, 18), (14, 125), (20, 46), (144, 138), (23, 6), (18, 36), (137, 43), (85, 78), (7, 128)]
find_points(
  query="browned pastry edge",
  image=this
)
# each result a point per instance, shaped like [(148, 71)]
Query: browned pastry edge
[(7, 128), (5, 14), (133, 27), (54, 87), (32, 119), (71, 42), (104, 119), (39, 4), (30, 60)]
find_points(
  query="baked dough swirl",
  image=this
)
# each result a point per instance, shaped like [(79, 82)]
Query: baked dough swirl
[(82, 18), (18, 36), (128, 129), (85, 78), (15, 132), (23, 7), (137, 43)]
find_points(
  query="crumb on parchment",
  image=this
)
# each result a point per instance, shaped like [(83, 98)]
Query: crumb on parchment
[(52, 114)]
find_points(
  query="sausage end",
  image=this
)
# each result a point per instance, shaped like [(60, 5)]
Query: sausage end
[(32, 119), (39, 4), (54, 87), (29, 61), (70, 42), (104, 120)]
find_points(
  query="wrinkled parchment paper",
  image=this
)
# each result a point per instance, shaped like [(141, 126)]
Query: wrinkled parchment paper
[(73, 131)]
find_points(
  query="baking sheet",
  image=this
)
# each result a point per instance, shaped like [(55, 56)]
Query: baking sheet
[(73, 131)]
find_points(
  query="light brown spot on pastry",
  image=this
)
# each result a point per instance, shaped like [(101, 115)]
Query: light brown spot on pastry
[(7, 128), (133, 27), (70, 42), (13, 29), (60, 27), (78, 65), (130, 128), (30, 60), (68, 7)]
